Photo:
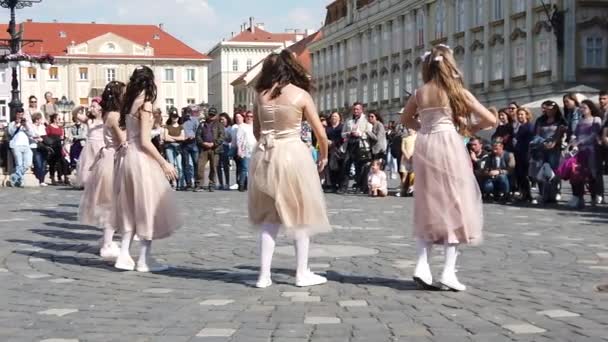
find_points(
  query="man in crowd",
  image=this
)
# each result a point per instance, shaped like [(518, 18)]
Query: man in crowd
[(496, 171), (209, 138), (356, 147), (190, 150), (20, 141), (478, 157), (603, 99)]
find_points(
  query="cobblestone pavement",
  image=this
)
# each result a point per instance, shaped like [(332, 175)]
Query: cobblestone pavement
[(532, 280)]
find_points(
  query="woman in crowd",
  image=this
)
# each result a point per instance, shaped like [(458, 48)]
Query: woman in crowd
[(238, 120), (145, 198), (49, 108), (333, 130), (377, 183), (584, 139), (392, 161), (96, 203), (223, 167), (245, 142), (447, 206), (95, 142), (572, 113), (549, 130), (173, 137), (408, 145), (521, 145), (42, 150), (285, 190), (377, 137), (58, 166), (157, 130), (78, 135), (505, 129)]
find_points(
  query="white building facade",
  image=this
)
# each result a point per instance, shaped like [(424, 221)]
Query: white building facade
[(507, 50)]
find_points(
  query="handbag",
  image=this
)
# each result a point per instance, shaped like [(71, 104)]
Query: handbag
[(364, 151)]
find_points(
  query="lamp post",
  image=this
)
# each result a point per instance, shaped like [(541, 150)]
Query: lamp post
[(65, 107), (15, 45)]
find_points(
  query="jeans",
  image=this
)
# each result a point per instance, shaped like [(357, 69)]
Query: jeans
[(75, 151), (190, 162), (174, 156), (496, 185), (243, 164), (223, 167), (23, 161), (39, 164)]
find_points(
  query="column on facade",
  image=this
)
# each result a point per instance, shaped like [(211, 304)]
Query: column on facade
[(507, 55), (467, 41), (450, 28), (487, 62), (570, 49), (530, 55)]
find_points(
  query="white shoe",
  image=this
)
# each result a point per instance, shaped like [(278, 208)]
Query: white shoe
[(310, 279), (263, 283), (599, 200), (125, 263), (558, 197), (43, 185), (110, 252), (151, 266), (234, 187), (136, 237), (451, 282), (423, 276)]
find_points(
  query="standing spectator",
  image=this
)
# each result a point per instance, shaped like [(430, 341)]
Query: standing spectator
[(377, 137), (49, 108), (356, 147), (499, 165), (392, 160), (505, 129), (245, 140), (20, 144), (157, 129), (190, 149), (33, 109), (602, 149), (584, 140), (376, 180), (334, 135), (223, 167), (173, 137), (408, 145), (41, 151), (512, 113), (571, 113), (521, 145), (239, 119), (4, 151), (78, 134), (210, 140), (57, 164)]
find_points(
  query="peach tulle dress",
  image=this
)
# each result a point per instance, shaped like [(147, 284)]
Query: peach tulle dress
[(284, 185), (96, 201), (95, 142), (144, 201), (447, 204)]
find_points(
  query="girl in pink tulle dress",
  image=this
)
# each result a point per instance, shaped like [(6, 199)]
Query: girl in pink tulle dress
[(97, 199), (447, 204), (144, 200), (95, 142)]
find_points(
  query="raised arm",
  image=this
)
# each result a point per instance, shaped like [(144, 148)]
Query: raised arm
[(408, 118), (487, 120), (312, 116)]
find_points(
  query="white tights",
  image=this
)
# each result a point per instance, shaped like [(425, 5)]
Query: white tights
[(144, 250), (108, 236), (268, 237)]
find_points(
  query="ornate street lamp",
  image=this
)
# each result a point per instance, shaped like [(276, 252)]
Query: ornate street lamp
[(15, 45), (65, 107)]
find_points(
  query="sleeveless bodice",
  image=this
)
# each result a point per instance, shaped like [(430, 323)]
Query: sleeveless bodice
[(96, 132), (438, 119), (132, 121), (278, 122), (108, 137)]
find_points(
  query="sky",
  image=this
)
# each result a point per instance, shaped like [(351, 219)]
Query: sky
[(199, 23)]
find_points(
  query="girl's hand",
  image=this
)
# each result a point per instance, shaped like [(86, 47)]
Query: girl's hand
[(169, 171), (321, 164)]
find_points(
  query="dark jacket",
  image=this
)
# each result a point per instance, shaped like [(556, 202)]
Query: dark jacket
[(523, 137), (217, 130)]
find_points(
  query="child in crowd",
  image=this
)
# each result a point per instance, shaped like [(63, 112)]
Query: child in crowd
[(376, 180), (408, 144)]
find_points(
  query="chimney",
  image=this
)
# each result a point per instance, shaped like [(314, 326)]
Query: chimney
[(232, 34), (251, 27), (29, 20), (260, 26), (92, 22), (161, 26)]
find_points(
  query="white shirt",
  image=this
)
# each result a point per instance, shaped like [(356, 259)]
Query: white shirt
[(19, 135)]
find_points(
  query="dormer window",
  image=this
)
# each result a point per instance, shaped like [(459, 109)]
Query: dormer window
[(110, 47), (156, 36), (62, 34)]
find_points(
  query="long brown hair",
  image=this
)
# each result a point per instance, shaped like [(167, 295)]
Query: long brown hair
[(440, 67), (282, 69)]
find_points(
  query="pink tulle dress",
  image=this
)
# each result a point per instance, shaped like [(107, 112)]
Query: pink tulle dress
[(145, 203), (95, 142), (284, 186), (96, 201), (447, 204)]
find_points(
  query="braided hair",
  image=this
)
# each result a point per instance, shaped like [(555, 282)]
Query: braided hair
[(142, 80)]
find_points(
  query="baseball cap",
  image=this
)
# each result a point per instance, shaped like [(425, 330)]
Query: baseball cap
[(212, 111)]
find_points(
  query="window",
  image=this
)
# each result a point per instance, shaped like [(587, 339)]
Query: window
[(335, 97), (440, 19), (594, 52), (110, 75), (84, 101), (542, 56), (385, 88), (328, 100), (478, 69), (386, 31), (497, 65), (249, 64), (365, 96), (409, 86), (479, 12), (497, 10), (519, 60), (53, 73), (420, 27), (169, 75), (2, 76), (375, 34), (190, 75), (335, 58), (32, 73), (83, 74), (169, 103), (235, 65), (419, 78), (396, 85), (352, 93), (460, 13), (191, 101), (375, 90), (519, 6), (409, 29)]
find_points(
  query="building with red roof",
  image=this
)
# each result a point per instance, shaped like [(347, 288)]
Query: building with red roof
[(88, 56)]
